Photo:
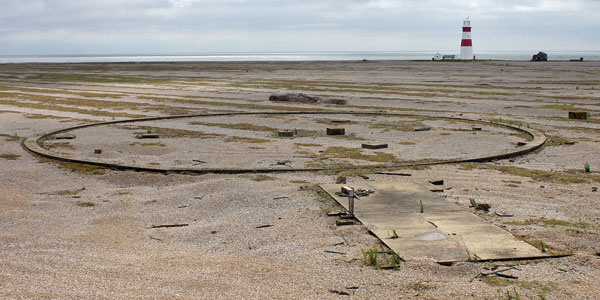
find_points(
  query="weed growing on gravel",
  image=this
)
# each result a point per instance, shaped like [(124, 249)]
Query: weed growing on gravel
[(422, 209), (394, 235), (395, 260), (85, 204), (508, 295), (80, 168), (543, 246), (69, 192), (586, 167), (370, 257), (261, 177), (419, 286), (11, 138), (10, 156), (355, 153), (147, 144)]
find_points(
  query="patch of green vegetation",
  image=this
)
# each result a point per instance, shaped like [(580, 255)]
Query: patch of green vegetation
[(298, 181), (567, 107), (539, 175), (174, 133), (307, 145), (69, 192), (586, 168), (259, 177), (79, 168), (356, 153), (242, 139), (56, 77), (553, 140), (10, 138), (10, 156), (85, 204), (406, 143), (238, 126), (370, 257), (154, 163), (419, 286), (552, 222)]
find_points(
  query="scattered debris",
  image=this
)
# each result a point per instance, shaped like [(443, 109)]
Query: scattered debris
[(578, 115), (199, 197), (264, 226), (342, 293), (389, 267), (340, 180), (147, 136), (334, 252), (282, 197), (336, 213), (168, 225), (503, 214), (423, 129), (97, 151), (594, 189), (521, 144), (344, 222), (213, 232), (340, 121), (183, 206), (483, 206), (476, 128), (156, 239), (336, 131), (351, 288), (363, 176), (497, 273), (198, 161), (374, 146), (334, 101), (302, 98), (437, 182), (64, 137), (432, 224), (285, 133), (570, 143), (391, 173)]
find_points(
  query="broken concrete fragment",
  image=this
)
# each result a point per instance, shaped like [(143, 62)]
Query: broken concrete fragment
[(344, 222), (437, 182), (503, 214), (285, 133), (336, 131), (302, 98), (579, 115), (374, 146), (340, 180)]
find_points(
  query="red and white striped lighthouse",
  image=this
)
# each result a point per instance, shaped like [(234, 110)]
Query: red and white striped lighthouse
[(466, 45)]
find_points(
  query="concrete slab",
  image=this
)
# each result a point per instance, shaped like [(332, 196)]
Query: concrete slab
[(444, 231)]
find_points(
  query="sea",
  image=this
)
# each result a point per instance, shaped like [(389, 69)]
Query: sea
[(292, 56)]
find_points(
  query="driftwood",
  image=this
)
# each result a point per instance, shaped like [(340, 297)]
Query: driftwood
[(390, 173), (264, 226), (168, 225), (497, 273)]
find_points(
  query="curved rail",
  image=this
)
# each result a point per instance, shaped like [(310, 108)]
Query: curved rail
[(33, 144)]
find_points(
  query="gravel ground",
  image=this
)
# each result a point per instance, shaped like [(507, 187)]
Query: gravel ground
[(68, 233)]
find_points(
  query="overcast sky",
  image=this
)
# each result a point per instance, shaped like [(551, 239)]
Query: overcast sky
[(33, 27)]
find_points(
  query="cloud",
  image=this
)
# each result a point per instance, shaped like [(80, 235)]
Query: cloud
[(55, 26)]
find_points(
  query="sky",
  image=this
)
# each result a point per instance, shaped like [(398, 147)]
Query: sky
[(42, 27)]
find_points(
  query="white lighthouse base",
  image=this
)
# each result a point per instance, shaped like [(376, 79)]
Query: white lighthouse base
[(466, 53)]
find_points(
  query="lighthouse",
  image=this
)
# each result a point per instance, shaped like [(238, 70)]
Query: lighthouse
[(466, 45)]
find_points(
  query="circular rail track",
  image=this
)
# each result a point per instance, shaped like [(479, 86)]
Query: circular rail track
[(34, 144)]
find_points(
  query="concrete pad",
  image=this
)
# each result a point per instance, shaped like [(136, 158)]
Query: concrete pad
[(444, 231)]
